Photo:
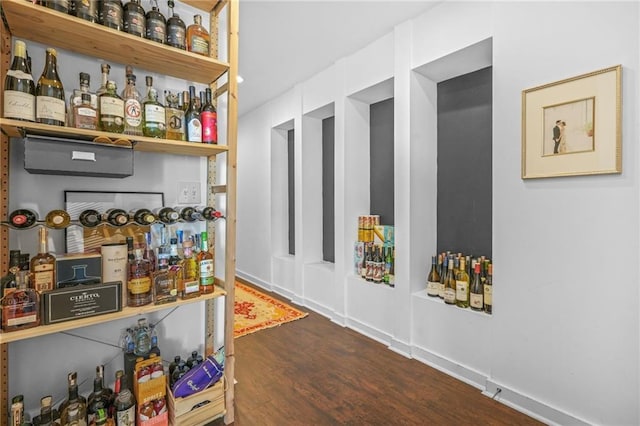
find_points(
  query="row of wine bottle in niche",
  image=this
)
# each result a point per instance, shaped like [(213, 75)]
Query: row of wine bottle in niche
[(90, 218), (132, 18), (464, 281)]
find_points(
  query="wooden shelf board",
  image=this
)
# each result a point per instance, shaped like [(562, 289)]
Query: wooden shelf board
[(206, 5), (15, 128), (219, 189), (84, 322), (53, 28)]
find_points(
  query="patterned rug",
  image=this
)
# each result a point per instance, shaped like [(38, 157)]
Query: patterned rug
[(256, 311)]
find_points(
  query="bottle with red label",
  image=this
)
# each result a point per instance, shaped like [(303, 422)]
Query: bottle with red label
[(209, 120), (23, 218)]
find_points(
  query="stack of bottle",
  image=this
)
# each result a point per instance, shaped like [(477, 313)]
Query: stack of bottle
[(374, 252), (187, 118), (90, 218), (463, 281), (179, 366)]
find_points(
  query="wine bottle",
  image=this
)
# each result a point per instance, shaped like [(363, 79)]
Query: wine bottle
[(488, 290), (433, 279), (50, 101), (209, 119), (99, 401), (116, 217), (156, 24), (111, 110), (154, 113), (176, 29), (450, 284), (89, 218), (23, 218), (443, 275), (462, 285), (476, 291), (57, 219), (143, 216), (192, 118), (134, 20), (19, 89), (43, 266), (167, 215), (74, 411)]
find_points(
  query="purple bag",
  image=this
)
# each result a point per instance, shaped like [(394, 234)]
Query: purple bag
[(198, 378)]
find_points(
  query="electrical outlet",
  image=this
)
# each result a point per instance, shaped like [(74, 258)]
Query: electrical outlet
[(189, 193)]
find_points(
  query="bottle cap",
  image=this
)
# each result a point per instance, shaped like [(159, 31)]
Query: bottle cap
[(52, 51), (149, 80), (105, 68)]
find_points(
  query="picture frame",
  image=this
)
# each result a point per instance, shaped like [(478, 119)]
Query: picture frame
[(573, 127), (79, 239)]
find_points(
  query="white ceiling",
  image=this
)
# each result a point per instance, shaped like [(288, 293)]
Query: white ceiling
[(286, 42)]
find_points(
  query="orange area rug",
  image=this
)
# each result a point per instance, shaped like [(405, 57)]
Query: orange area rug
[(255, 311)]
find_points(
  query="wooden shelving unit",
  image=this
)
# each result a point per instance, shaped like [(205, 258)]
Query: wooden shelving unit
[(30, 22)]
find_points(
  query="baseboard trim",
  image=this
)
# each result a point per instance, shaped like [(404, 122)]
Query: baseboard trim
[(400, 347), (451, 368), (253, 280), (370, 332), (318, 308)]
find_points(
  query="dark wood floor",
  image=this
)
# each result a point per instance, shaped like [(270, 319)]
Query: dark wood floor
[(314, 372)]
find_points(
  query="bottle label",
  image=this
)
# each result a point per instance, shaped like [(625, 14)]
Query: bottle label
[(19, 105), (461, 290), (209, 126), (20, 318), (19, 75), (475, 300), (156, 29), (111, 13), (433, 288), (50, 108), (441, 290), (194, 131), (449, 295), (135, 23), (139, 285), (154, 114), (488, 294), (87, 112), (206, 272), (132, 113), (126, 417), (191, 287), (175, 123), (199, 45), (175, 35), (43, 277)]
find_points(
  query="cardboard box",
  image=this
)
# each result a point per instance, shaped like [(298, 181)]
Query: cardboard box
[(383, 235), (81, 301), (197, 409), (150, 390), (79, 268)]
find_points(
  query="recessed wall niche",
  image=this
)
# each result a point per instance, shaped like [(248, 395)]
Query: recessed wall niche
[(282, 189)]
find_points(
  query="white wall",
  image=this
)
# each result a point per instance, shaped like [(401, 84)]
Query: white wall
[(562, 344)]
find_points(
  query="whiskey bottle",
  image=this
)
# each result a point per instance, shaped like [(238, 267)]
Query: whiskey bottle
[(174, 117), (73, 411), (165, 286), (85, 9), (125, 405), (154, 114), (133, 123), (111, 110), (111, 14), (188, 281), (45, 418), (99, 401), (19, 89), (149, 253), (104, 69), (17, 410), (8, 282), (209, 119), (156, 24), (50, 102), (176, 29), (139, 290), (20, 308), (57, 219), (192, 118), (205, 266), (198, 37), (23, 218), (89, 218), (43, 266), (85, 116), (134, 21), (116, 217)]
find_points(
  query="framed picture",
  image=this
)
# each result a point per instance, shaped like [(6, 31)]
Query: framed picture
[(79, 239), (573, 127)]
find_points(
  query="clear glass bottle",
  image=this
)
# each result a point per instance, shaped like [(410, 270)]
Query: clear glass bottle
[(149, 253), (85, 115), (57, 219), (20, 308), (85, 9), (43, 265), (174, 117), (156, 24), (192, 118), (205, 266), (74, 409), (198, 38), (163, 250), (111, 14), (50, 98), (134, 20), (111, 110), (176, 29), (142, 338), (139, 289), (154, 113), (209, 119), (188, 283), (19, 89), (133, 122)]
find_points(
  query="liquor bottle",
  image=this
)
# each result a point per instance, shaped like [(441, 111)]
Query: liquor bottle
[(198, 37), (19, 89), (116, 217), (154, 114), (85, 9), (133, 19), (17, 410), (85, 116), (462, 285), (111, 14), (132, 107), (99, 401), (433, 279), (155, 350), (174, 259), (200, 103), (363, 269), (57, 219), (176, 29), (59, 5), (156, 24), (139, 290), (192, 359), (149, 253), (73, 411), (163, 250), (43, 266), (450, 284), (142, 216), (8, 282), (174, 364), (23, 218), (167, 215), (488, 290), (209, 119), (45, 418), (50, 102), (476, 291), (188, 281), (104, 70), (174, 117), (192, 118), (377, 265), (369, 260), (205, 266), (125, 405), (164, 285), (89, 218), (185, 100), (20, 308), (142, 338), (392, 273), (111, 110)]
